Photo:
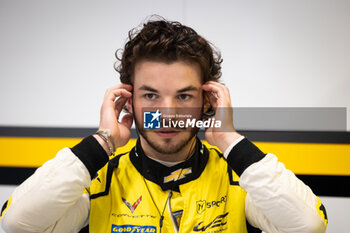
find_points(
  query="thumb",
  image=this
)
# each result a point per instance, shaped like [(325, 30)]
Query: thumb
[(127, 120)]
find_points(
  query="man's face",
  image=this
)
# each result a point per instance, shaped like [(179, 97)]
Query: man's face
[(172, 86)]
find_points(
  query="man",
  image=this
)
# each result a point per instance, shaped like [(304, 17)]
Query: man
[(170, 181)]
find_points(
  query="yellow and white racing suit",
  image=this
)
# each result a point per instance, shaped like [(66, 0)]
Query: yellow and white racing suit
[(242, 190)]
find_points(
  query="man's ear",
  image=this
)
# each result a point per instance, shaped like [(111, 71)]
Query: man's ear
[(208, 110), (206, 105), (128, 106)]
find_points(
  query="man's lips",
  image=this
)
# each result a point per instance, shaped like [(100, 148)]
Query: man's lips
[(167, 133)]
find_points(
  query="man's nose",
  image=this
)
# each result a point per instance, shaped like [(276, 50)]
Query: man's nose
[(168, 105)]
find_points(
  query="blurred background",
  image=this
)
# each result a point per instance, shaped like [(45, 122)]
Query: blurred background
[(287, 64)]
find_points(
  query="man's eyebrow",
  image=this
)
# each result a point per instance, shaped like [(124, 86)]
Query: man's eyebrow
[(148, 88), (189, 88), (185, 89)]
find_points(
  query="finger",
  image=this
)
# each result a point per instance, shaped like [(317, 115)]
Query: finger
[(127, 120), (215, 96), (216, 84), (112, 95), (117, 87), (119, 104), (212, 99), (219, 90), (122, 86), (221, 86)]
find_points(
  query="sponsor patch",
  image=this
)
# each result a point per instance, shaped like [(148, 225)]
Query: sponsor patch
[(202, 205), (178, 174), (218, 222), (133, 216), (133, 228), (133, 206)]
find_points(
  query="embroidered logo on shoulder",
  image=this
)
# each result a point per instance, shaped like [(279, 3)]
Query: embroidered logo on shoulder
[(133, 206), (133, 228), (178, 174)]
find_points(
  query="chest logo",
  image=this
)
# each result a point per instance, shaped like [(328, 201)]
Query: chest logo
[(201, 206), (178, 174), (219, 221), (133, 206), (133, 229)]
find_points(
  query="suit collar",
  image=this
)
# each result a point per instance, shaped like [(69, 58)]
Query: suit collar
[(170, 177)]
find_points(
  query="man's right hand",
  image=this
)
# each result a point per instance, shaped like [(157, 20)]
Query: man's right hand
[(114, 100)]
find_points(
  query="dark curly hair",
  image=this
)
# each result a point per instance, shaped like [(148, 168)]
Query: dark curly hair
[(168, 41)]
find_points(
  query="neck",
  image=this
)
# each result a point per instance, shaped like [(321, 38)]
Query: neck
[(179, 156)]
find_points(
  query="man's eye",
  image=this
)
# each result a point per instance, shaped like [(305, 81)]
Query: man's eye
[(150, 96), (184, 96)]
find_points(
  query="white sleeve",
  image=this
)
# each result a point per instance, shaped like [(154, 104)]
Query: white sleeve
[(277, 201), (52, 199)]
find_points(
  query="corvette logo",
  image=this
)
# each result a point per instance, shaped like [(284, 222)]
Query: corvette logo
[(132, 207), (178, 174)]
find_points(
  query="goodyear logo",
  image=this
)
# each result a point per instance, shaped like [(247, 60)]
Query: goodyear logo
[(133, 228)]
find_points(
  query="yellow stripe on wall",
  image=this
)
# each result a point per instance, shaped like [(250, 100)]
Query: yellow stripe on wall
[(31, 152), (301, 158), (311, 158)]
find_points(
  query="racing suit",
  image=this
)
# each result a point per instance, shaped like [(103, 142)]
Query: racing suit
[(238, 191)]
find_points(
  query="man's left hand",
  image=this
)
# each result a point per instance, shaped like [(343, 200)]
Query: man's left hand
[(220, 100)]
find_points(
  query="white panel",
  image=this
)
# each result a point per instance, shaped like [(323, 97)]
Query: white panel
[(57, 58), (280, 53), (338, 214)]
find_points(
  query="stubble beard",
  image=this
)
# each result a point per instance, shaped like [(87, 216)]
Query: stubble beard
[(165, 145)]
